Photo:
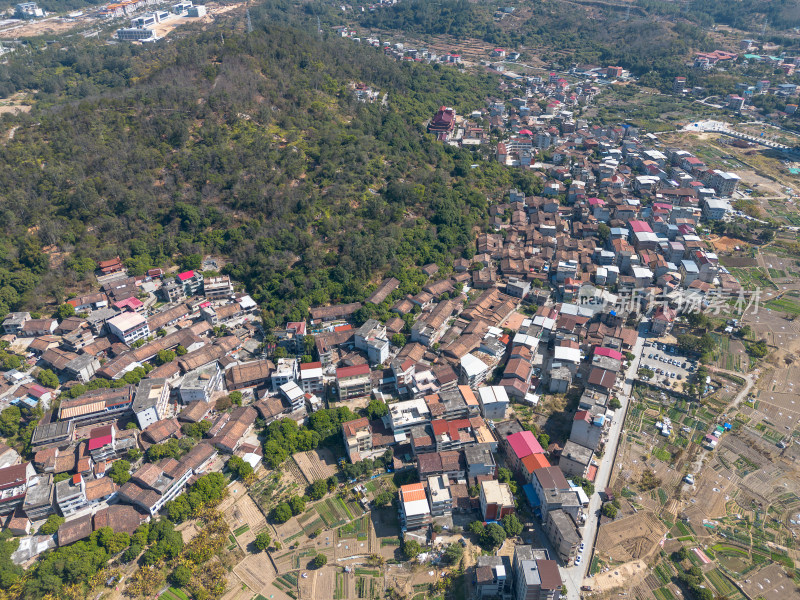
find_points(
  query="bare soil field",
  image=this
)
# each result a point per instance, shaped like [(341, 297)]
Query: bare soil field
[(15, 108), (711, 492), (320, 584), (725, 244), (48, 26), (245, 512), (255, 571), (630, 538), (316, 464), (187, 530), (625, 576), (774, 326), (235, 591), (770, 583)]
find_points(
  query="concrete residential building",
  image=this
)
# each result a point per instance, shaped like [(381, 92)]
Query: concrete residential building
[(129, 327), (575, 459), (535, 577), (497, 501), (519, 445), (587, 430), (357, 438), (14, 321), (150, 401), (371, 338), (200, 384), (548, 479), (405, 415), (493, 577), (353, 382), (285, 371), (191, 281), (441, 500), (480, 460), (715, 209), (563, 533), (294, 395), (217, 288), (14, 485), (38, 503), (71, 495), (311, 379), (494, 402), (473, 371), (415, 512), (724, 183)]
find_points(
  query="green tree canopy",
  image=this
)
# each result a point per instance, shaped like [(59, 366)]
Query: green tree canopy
[(263, 540), (411, 549)]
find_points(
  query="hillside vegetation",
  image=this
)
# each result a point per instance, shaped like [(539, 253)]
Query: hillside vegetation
[(255, 149)]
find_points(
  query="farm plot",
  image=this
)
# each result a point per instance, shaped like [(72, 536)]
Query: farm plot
[(245, 520), (789, 303), (752, 278), (316, 464), (358, 529), (720, 583), (335, 512), (255, 571)]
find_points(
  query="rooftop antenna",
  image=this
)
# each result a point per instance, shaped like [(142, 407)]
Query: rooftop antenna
[(249, 22)]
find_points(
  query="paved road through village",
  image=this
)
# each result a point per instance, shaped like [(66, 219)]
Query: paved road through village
[(573, 576)]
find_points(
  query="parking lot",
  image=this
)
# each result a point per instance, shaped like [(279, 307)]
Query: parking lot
[(668, 364)]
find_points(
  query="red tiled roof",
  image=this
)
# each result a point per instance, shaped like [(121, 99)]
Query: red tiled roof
[(352, 371), (640, 227), (615, 354), (185, 275), (524, 443), (583, 415), (99, 442)]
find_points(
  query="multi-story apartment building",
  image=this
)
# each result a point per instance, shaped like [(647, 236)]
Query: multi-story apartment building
[(311, 379), (150, 401), (217, 288), (415, 512), (129, 327), (353, 382)]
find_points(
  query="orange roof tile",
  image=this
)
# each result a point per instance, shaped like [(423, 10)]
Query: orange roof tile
[(412, 492), (468, 394), (535, 461)]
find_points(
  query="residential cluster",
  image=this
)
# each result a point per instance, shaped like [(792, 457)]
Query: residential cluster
[(533, 121), (539, 309), (204, 335)]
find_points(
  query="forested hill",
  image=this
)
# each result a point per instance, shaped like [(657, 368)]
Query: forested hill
[(254, 148)]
